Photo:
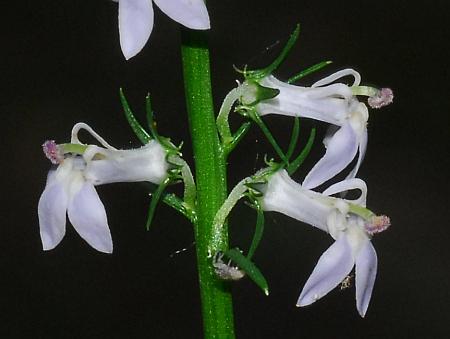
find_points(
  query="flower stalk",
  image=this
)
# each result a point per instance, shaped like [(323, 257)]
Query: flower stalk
[(210, 172)]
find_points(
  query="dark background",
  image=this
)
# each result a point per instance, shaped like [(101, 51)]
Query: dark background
[(61, 63)]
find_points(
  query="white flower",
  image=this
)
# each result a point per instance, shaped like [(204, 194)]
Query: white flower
[(67, 190), (70, 188), (136, 20), (334, 103), (347, 221)]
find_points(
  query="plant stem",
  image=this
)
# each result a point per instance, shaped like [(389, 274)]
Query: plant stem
[(210, 172)]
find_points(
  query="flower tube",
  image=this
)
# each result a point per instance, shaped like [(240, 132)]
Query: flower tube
[(105, 165)]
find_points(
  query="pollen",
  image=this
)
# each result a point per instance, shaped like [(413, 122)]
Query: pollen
[(382, 98), (52, 152), (378, 224)]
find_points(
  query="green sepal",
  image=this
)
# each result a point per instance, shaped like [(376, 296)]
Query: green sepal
[(237, 137), (260, 93), (259, 229), (294, 138), (140, 132), (164, 141), (261, 178), (251, 112), (249, 268), (294, 165), (261, 73), (265, 93), (154, 202), (150, 120), (309, 70)]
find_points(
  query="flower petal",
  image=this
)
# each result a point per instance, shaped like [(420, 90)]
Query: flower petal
[(190, 13), (52, 209), (81, 125), (362, 152), (88, 217), (341, 150), (366, 272), (337, 75), (331, 130), (333, 266), (349, 184), (135, 25)]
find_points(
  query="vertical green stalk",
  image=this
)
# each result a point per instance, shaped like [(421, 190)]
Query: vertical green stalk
[(210, 172)]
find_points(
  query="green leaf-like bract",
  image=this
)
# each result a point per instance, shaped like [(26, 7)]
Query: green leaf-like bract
[(176, 203), (249, 268)]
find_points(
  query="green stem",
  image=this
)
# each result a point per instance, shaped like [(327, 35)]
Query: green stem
[(210, 172)]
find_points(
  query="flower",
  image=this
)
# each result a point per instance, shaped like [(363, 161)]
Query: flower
[(347, 221), (334, 103), (136, 20), (70, 188), (67, 190)]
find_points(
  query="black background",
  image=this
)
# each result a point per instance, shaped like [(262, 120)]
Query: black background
[(61, 63)]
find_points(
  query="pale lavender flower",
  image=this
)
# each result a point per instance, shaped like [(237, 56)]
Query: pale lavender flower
[(136, 20), (70, 188), (347, 221), (334, 103)]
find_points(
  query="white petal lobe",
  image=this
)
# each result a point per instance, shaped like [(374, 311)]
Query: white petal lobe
[(366, 272), (135, 25), (52, 214), (362, 152), (342, 148), (88, 217), (333, 266), (190, 13)]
